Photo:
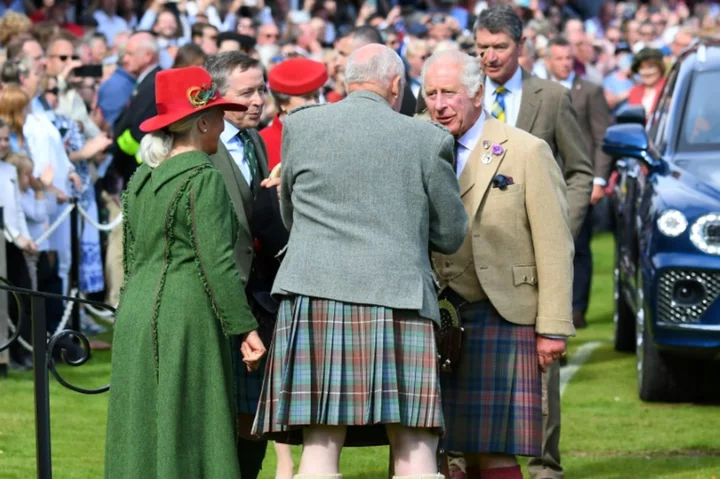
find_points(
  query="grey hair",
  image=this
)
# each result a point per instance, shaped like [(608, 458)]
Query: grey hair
[(500, 19), (155, 147), (472, 77), (222, 65), (150, 44), (380, 68)]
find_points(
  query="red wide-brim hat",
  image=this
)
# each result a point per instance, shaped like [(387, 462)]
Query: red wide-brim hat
[(297, 76), (181, 92)]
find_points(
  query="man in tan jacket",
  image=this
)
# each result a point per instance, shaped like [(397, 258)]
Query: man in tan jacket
[(511, 281), (544, 109)]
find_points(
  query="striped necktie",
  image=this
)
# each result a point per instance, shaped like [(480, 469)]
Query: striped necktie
[(498, 108)]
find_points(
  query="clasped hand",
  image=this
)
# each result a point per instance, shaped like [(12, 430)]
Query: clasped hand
[(252, 349)]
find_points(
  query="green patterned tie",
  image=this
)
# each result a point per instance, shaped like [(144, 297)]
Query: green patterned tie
[(250, 156)]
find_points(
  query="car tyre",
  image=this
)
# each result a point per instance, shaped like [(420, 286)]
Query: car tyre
[(661, 377), (623, 315)]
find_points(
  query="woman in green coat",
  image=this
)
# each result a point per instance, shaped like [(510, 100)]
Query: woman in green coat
[(171, 412)]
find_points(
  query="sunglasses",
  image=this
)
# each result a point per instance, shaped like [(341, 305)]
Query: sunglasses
[(54, 91), (64, 58)]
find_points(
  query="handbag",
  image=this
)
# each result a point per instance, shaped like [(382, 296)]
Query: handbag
[(450, 334)]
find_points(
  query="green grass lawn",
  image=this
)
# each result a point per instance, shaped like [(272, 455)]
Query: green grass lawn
[(607, 431)]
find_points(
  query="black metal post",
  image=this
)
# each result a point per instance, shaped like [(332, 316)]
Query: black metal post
[(75, 267), (42, 389)]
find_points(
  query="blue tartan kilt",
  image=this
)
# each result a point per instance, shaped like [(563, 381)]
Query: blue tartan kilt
[(492, 401)]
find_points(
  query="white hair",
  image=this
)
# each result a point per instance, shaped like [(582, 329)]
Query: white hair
[(155, 147), (471, 77), (380, 68)]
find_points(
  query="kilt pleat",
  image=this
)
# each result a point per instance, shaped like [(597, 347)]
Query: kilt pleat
[(493, 400), (334, 363)]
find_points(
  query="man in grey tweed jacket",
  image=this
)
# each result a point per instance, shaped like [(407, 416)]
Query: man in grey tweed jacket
[(366, 194)]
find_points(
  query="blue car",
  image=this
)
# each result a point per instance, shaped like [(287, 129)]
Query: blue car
[(666, 207)]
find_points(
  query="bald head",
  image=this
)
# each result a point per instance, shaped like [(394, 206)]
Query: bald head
[(141, 52), (378, 69)]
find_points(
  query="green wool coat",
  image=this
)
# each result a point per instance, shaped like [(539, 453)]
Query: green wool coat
[(171, 411)]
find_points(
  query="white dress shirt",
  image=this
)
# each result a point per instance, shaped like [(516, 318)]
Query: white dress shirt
[(568, 82), (13, 214), (513, 96), (468, 142), (236, 149)]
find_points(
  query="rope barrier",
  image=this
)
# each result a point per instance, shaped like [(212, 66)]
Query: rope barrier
[(104, 314), (67, 313), (55, 225), (95, 224), (11, 234)]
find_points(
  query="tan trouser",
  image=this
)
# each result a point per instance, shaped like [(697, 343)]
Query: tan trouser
[(114, 254), (548, 465)]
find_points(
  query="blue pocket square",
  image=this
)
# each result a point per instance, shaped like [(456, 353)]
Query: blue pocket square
[(502, 181)]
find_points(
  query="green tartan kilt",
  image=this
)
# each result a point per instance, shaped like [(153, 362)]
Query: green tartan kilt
[(334, 363)]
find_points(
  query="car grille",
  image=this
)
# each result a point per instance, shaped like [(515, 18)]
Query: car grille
[(712, 234), (684, 295)]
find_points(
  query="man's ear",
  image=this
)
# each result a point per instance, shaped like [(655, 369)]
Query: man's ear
[(478, 100), (396, 86)]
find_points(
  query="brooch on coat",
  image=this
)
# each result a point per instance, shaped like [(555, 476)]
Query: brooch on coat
[(491, 150), (502, 182)]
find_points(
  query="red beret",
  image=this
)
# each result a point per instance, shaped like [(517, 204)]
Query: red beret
[(297, 76)]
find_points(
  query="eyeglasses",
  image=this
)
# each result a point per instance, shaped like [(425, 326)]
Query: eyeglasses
[(64, 58), (271, 35), (53, 91)]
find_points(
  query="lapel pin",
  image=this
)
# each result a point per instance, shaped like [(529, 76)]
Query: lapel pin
[(486, 144), (487, 159)]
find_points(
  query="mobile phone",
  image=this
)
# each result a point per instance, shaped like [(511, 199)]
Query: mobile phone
[(94, 71)]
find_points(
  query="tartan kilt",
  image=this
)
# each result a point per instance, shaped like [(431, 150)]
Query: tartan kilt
[(493, 399), (334, 363)]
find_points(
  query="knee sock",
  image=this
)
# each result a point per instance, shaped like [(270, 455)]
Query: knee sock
[(512, 472)]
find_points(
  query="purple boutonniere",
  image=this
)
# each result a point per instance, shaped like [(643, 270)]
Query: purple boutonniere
[(497, 150)]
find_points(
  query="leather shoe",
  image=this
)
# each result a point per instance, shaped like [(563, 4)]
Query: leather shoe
[(579, 320)]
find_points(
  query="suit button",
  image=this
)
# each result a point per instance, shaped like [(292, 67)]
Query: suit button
[(524, 278), (243, 280), (447, 264)]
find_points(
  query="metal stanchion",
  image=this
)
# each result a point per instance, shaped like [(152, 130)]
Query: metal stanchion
[(42, 389), (75, 267), (4, 321)]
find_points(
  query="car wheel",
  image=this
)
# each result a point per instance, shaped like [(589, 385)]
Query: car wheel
[(623, 316), (661, 377)]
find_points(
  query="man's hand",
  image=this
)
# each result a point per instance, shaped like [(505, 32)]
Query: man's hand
[(253, 350), (598, 192), (94, 146), (26, 244), (76, 181), (549, 350)]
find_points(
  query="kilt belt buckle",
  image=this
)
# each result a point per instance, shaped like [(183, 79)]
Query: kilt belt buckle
[(450, 335)]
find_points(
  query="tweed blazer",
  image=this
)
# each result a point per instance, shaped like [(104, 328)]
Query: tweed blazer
[(365, 192), (546, 111), (522, 247), (593, 115), (242, 200)]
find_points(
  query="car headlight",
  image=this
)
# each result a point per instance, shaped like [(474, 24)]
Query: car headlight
[(705, 233), (672, 223)]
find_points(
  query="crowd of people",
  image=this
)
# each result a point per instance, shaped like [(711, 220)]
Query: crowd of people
[(86, 116)]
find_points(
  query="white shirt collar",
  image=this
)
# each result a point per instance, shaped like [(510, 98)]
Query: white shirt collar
[(471, 137), (568, 82), (513, 85), (146, 72)]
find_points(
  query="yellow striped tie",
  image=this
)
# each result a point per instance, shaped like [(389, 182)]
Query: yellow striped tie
[(498, 108)]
